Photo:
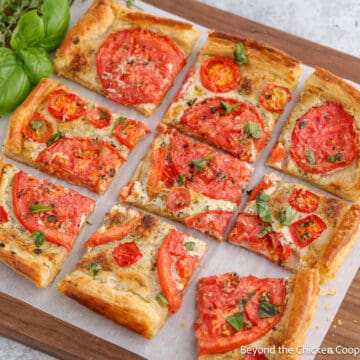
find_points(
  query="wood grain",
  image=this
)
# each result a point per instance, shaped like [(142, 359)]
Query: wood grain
[(37, 329)]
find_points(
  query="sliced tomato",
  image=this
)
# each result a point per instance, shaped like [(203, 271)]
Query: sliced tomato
[(218, 298), (264, 184), (130, 132), (175, 267), (127, 254), (274, 98), (99, 117), (306, 230), (250, 228), (304, 200), (116, 232), (222, 177), (277, 153), (255, 356), (126, 190), (37, 128), (137, 66), (212, 222), (178, 199), (168, 176), (81, 161), (219, 74), (208, 120), (156, 169), (324, 139), (4, 217), (65, 106), (67, 208)]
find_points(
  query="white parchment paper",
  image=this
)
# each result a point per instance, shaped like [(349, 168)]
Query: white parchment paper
[(176, 339)]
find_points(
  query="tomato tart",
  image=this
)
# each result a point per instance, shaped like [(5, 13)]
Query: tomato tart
[(250, 318), (69, 137), (295, 227), (234, 94), (39, 222), (188, 182), (320, 140), (132, 58), (134, 270)]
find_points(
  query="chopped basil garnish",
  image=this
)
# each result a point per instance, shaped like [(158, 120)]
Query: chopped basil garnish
[(310, 156), (103, 114), (199, 164), (35, 208), (130, 3), (262, 203), (162, 299), (285, 216), (55, 137), (95, 268), (252, 129), (39, 237), (36, 124), (266, 309), (228, 107), (267, 229), (302, 124), (244, 301), (189, 246), (181, 180), (236, 320), (52, 219), (240, 55), (121, 119), (335, 157)]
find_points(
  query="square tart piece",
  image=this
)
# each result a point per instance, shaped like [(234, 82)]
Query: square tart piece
[(234, 94), (130, 57), (135, 270), (320, 140), (247, 318), (63, 134), (188, 182), (297, 228), (39, 222)]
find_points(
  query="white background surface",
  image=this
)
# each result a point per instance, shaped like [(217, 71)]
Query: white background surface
[(331, 23)]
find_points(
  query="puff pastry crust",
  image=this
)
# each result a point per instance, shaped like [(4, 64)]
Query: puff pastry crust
[(76, 57), (320, 87)]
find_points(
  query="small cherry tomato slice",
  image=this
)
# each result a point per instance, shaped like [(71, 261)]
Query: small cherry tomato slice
[(65, 106), (127, 254), (99, 117), (219, 74), (304, 200), (156, 169), (265, 183), (37, 128), (178, 199), (277, 153), (274, 98), (306, 230), (130, 132), (3, 215)]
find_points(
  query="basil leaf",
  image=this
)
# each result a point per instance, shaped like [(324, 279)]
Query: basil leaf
[(253, 129), (55, 137), (181, 180), (130, 3), (335, 157), (14, 81), (162, 299), (267, 229), (189, 246), (310, 156), (35, 208), (36, 124), (240, 55), (228, 107), (37, 63), (262, 204), (266, 309), (39, 238), (236, 320), (285, 216), (103, 114), (95, 268), (199, 164), (121, 119)]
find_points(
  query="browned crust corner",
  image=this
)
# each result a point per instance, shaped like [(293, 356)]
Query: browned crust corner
[(340, 244)]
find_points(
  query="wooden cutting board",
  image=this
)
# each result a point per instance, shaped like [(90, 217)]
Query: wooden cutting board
[(42, 331)]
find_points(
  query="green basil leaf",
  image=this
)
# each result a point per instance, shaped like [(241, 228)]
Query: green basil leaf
[(181, 180), (121, 119), (130, 3), (236, 320), (29, 31), (39, 238), (103, 114), (310, 156), (285, 216), (162, 299), (36, 124), (55, 137), (35, 208), (335, 157), (189, 246), (95, 268), (228, 107), (37, 63), (267, 229), (266, 309), (199, 164), (262, 204), (14, 81), (244, 301), (240, 55), (253, 129)]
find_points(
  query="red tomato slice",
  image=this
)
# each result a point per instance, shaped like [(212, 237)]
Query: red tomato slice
[(304, 200), (265, 183), (208, 120), (274, 98), (247, 229), (127, 254), (126, 190), (306, 230), (255, 356), (3, 215), (178, 199), (61, 224), (324, 139), (113, 233), (219, 74), (171, 257), (65, 106), (218, 297), (130, 132), (37, 128), (222, 177), (168, 176), (212, 222), (137, 66), (156, 169), (81, 161), (99, 117), (277, 153)]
